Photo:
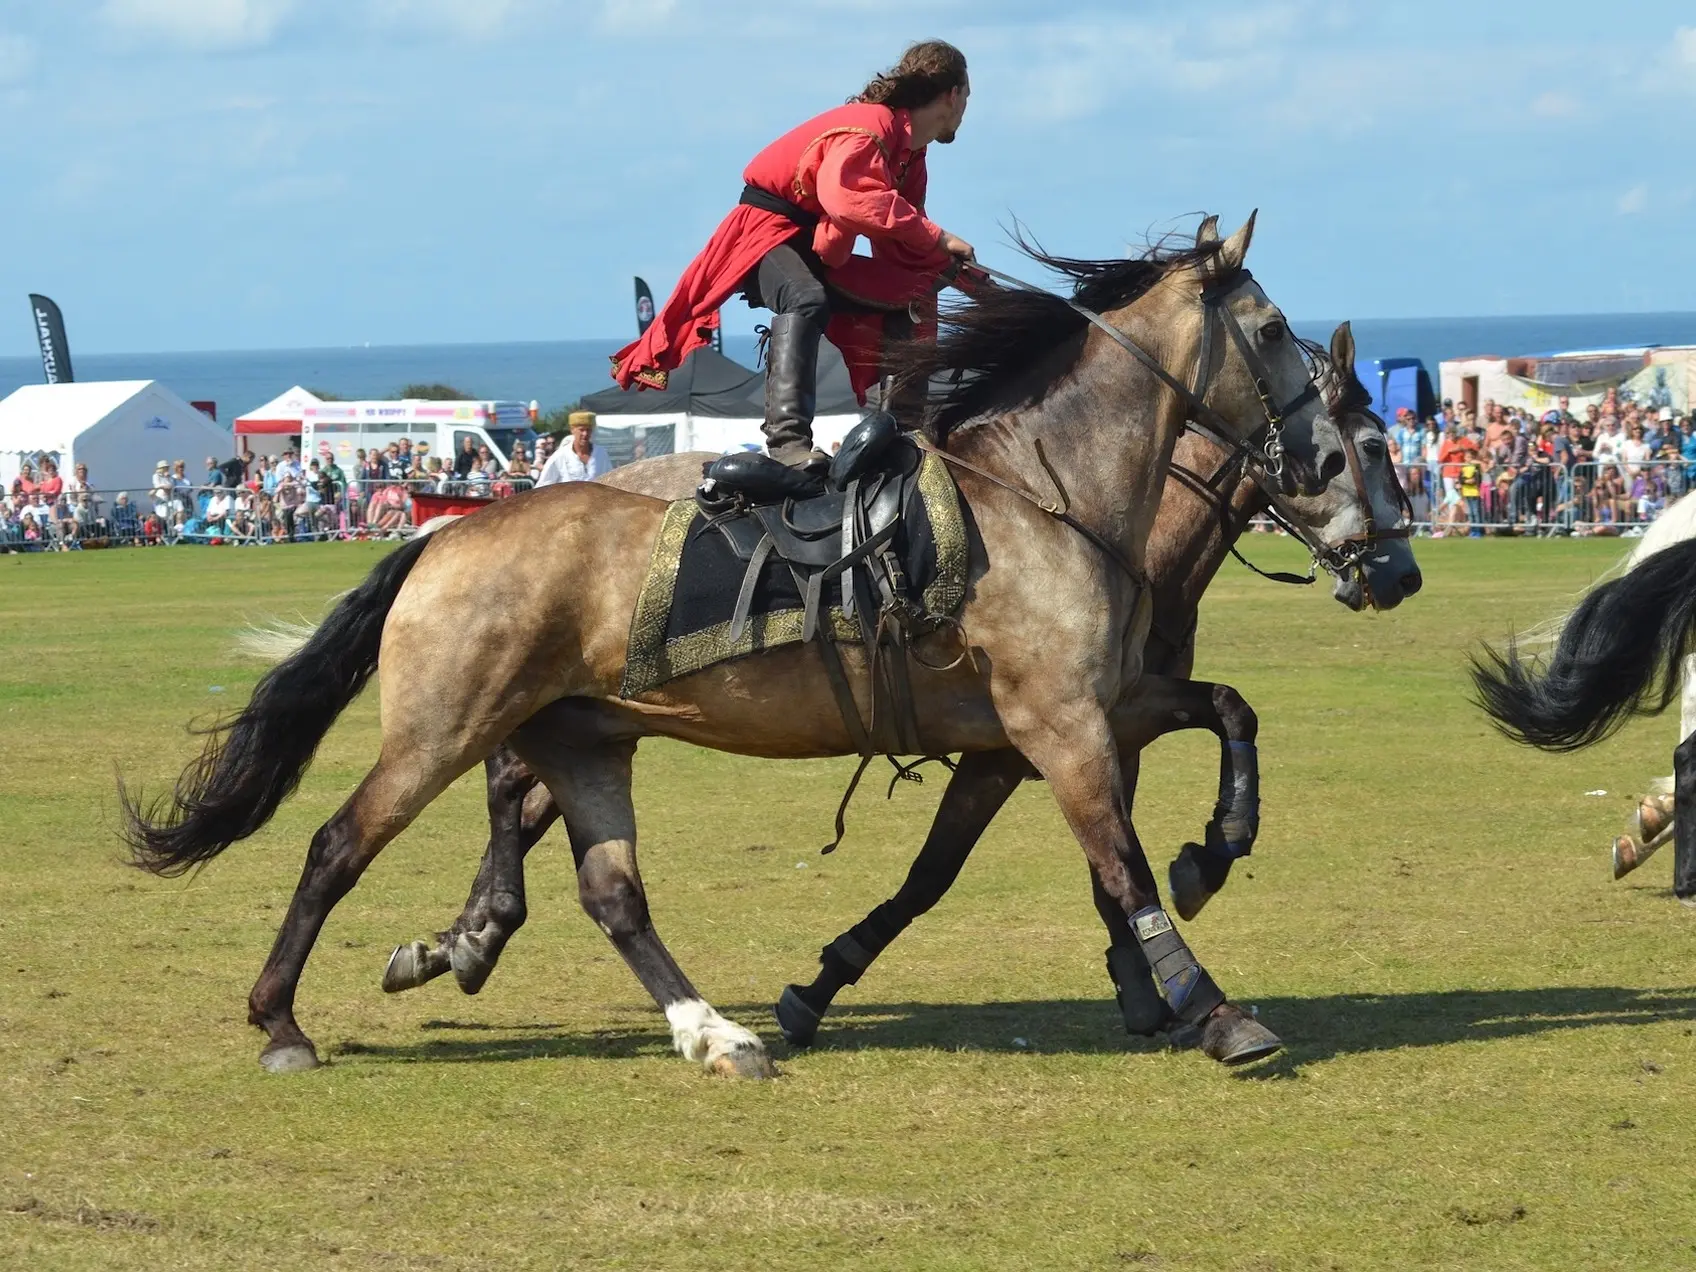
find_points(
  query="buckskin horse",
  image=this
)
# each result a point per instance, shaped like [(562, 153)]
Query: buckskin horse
[(1057, 609), (1208, 502)]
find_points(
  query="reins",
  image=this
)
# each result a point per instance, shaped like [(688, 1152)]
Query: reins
[(1262, 452)]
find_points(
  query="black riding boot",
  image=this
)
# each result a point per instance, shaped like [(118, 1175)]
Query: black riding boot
[(792, 362)]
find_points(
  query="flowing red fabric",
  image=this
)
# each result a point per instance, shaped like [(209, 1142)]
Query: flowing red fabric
[(855, 169)]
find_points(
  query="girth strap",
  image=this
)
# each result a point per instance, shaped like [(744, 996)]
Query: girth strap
[(750, 581)]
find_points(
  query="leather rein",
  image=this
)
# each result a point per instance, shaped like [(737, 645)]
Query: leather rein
[(1262, 453)]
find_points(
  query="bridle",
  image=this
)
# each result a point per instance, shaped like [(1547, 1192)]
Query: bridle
[(1261, 453)]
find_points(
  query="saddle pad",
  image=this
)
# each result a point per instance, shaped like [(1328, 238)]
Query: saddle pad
[(682, 619)]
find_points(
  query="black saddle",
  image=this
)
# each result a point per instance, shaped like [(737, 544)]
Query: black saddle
[(836, 536)]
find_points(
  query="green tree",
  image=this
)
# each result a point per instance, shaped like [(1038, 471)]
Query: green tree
[(555, 421), (434, 393)]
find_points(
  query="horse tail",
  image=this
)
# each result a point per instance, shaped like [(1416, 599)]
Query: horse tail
[(1617, 655), (251, 763)]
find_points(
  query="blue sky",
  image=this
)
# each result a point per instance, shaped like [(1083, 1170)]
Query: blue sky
[(200, 174)]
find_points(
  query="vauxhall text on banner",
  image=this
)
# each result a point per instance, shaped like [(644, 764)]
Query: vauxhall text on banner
[(50, 330)]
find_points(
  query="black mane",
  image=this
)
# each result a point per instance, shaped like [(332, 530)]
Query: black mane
[(1003, 348)]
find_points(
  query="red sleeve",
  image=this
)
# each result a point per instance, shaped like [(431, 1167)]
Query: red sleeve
[(856, 192)]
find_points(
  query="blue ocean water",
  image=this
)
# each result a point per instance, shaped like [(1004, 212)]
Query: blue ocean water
[(554, 373)]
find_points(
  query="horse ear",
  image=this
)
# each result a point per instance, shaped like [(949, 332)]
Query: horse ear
[(1236, 247), (1342, 346), (1207, 231)]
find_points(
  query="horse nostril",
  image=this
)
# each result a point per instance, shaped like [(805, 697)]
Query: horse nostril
[(1412, 581)]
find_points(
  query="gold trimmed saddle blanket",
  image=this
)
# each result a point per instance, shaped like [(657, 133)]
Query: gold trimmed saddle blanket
[(722, 587)]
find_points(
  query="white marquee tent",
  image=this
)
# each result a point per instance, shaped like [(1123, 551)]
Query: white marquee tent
[(119, 428)]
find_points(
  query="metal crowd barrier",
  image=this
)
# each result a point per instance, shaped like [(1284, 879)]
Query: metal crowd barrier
[(1612, 497), (1607, 498), (214, 515)]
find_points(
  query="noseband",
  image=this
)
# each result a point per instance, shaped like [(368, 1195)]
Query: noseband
[(1262, 452)]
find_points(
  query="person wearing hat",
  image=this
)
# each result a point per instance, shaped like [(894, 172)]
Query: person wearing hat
[(583, 460)]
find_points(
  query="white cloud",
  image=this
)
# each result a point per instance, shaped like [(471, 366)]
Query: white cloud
[(1554, 106), (635, 15), (1633, 200), (473, 19), (17, 57), (1684, 45), (199, 24)]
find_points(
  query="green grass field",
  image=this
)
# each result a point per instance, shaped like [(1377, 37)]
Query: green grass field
[(1491, 1047)]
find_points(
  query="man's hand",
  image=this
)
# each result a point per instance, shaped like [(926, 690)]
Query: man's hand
[(955, 246)]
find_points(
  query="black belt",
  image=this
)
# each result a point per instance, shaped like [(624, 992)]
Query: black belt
[(755, 197)]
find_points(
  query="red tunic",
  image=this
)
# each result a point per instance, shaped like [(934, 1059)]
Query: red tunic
[(855, 168)]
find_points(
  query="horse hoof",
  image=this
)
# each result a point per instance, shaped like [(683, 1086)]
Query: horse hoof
[(743, 1061), (471, 966), (1689, 903), (411, 966), (799, 1022), (292, 1057), (1233, 1037), (1625, 856), (1189, 891)]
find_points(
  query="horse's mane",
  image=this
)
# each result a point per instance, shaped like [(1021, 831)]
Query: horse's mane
[(1004, 347)]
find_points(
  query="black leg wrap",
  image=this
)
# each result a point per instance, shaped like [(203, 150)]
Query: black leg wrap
[(1184, 983), (850, 954), (1237, 814), (1144, 1010)]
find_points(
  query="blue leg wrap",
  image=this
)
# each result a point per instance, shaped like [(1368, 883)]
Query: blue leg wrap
[(1236, 817), (1184, 983)]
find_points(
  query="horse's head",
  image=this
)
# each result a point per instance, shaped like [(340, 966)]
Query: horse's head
[(1360, 521), (1303, 425)]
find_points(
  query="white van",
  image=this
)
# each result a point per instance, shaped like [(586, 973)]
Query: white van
[(348, 427)]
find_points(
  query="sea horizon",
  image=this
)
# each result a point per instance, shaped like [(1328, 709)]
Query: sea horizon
[(557, 372)]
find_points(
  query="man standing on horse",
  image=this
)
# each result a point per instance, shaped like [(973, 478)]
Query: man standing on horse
[(788, 246)]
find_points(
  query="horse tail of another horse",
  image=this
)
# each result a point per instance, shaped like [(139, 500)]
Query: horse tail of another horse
[(251, 763), (1618, 655)]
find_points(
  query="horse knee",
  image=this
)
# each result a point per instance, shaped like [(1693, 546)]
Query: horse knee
[(1240, 722), (613, 898)]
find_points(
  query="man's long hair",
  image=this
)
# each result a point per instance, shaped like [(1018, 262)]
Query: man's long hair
[(925, 72)]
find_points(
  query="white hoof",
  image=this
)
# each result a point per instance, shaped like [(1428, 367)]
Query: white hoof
[(720, 1046)]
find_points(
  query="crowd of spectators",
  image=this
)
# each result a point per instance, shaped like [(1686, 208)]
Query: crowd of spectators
[(256, 499), (1608, 470)]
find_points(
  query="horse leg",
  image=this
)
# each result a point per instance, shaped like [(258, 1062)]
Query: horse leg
[(520, 811), (1200, 870), (593, 789), (1074, 749), (1684, 821), (976, 790), (391, 795)]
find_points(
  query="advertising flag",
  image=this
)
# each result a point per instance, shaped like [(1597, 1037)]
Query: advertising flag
[(50, 330), (644, 307)]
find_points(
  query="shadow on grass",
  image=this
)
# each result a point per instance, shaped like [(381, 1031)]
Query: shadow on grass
[(1313, 1029)]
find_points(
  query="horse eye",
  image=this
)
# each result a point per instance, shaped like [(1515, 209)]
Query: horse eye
[(1272, 331), (1373, 448)]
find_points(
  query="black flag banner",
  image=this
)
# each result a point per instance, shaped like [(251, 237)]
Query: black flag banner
[(718, 338), (50, 330), (644, 307)]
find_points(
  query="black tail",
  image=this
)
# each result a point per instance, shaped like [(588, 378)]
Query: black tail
[(252, 763), (1617, 656)]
